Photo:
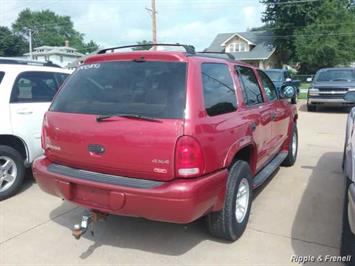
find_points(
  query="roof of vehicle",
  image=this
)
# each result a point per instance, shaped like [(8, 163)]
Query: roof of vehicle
[(181, 53), (15, 68), (25, 61), (162, 55), (336, 68), (275, 70)]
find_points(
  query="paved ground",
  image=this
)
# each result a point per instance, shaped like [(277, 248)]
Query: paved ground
[(297, 212)]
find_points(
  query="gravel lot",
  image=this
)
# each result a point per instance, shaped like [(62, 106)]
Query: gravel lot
[(298, 212)]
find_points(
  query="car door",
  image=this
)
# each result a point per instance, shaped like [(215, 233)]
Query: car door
[(280, 115), (257, 110), (31, 95)]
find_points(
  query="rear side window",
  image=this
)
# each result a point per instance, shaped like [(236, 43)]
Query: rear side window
[(2, 74), (150, 88), (36, 86), (218, 89), (251, 90)]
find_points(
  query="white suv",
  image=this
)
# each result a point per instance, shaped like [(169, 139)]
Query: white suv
[(26, 90)]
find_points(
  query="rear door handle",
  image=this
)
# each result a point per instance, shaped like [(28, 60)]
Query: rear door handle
[(24, 112), (273, 116), (253, 126)]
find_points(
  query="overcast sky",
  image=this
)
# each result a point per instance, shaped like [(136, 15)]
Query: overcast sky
[(118, 22)]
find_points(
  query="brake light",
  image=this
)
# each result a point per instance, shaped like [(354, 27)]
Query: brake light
[(43, 133), (188, 157)]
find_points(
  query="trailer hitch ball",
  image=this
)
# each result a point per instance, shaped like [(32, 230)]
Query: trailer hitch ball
[(89, 217)]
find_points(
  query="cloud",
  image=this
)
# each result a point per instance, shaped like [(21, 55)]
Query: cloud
[(122, 22)]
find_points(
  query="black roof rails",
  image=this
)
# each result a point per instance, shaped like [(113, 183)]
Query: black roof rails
[(222, 55), (20, 61), (190, 49)]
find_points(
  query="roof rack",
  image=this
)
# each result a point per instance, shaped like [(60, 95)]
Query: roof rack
[(20, 61), (222, 55), (188, 48)]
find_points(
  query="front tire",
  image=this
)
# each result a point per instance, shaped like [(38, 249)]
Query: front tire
[(12, 171), (347, 237), (292, 148), (311, 108), (230, 223)]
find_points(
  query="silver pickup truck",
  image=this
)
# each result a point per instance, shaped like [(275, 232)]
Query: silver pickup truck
[(329, 87)]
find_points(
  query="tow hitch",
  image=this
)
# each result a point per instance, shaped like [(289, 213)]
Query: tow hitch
[(89, 217)]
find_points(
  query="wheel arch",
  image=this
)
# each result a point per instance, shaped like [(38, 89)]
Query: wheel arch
[(17, 143), (245, 151)]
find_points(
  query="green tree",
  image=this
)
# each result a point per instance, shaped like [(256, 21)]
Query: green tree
[(144, 42), (329, 40), (284, 18), (11, 44), (49, 29), (89, 47)]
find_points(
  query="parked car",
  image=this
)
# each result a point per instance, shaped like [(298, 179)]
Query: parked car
[(168, 136), (329, 87), (348, 232), (281, 77), (26, 90)]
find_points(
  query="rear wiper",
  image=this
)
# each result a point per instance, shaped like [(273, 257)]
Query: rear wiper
[(101, 118)]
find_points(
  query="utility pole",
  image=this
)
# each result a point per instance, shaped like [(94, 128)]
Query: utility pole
[(29, 32), (154, 22), (30, 42), (153, 12)]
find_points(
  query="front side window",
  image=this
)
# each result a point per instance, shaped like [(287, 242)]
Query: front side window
[(150, 88), (218, 90), (268, 86), (250, 87), (36, 86)]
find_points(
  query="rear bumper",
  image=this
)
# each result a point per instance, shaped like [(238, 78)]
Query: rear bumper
[(351, 207), (178, 201), (329, 102)]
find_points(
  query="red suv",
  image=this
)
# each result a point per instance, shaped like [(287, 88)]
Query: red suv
[(168, 136)]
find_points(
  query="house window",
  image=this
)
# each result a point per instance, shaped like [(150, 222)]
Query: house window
[(242, 47), (61, 59), (237, 47)]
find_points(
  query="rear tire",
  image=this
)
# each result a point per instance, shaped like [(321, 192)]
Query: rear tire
[(292, 148), (347, 237), (230, 223), (12, 171)]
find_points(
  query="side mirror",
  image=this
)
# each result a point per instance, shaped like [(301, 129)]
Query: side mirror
[(288, 92), (350, 96), (309, 79), (288, 80)]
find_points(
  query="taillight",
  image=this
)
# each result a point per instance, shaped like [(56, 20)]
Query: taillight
[(188, 157), (43, 134)]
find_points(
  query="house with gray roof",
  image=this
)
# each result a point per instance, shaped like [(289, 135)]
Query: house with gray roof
[(60, 55), (253, 47)]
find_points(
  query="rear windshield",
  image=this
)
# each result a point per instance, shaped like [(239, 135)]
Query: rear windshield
[(150, 88), (336, 75)]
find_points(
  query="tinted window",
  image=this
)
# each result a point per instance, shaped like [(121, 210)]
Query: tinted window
[(36, 86), (218, 89), (336, 75), (274, 75), (251, 90), (155, 89), (2, 74), (268, 86)]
